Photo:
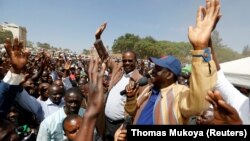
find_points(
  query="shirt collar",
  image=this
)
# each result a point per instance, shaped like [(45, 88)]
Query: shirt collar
[(128, 75)]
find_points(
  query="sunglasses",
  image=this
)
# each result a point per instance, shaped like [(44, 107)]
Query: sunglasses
[(124, 61)]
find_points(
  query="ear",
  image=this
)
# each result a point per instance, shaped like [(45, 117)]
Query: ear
[(170, 75)]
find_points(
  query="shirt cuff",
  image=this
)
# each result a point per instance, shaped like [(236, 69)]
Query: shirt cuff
[(201, 55), (13, 78)]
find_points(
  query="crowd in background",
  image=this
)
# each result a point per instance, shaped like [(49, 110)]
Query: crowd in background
[(59, 97)]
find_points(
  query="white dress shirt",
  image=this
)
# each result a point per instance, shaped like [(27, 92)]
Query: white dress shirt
[(234, 97), (115, 103), (49, 107)]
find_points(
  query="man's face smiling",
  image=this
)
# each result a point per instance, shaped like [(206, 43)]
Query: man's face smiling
[(129, 62)]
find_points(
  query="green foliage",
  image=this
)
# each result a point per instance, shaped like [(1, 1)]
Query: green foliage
[(148, 46), (5, 34), (223, 53), (246, 51), (86, 51), (43, 45), (30, 44), (124, 43)]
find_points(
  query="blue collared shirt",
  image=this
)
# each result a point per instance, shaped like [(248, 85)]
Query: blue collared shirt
[(146, 117)]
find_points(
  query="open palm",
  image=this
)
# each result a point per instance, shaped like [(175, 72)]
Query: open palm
[(18, 56)]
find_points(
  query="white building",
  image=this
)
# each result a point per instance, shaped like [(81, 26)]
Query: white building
[(17, 31)]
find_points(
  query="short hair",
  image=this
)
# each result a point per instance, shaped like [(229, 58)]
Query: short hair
[(42, 85), (74, 90), (130, 51), (69, 118)]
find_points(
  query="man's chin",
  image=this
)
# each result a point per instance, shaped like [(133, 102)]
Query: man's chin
[(74, 111)]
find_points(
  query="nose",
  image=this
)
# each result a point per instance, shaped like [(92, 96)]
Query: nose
[(58, 96), (73, 104)]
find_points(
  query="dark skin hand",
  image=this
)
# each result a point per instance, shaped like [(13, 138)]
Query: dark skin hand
[(96, 90), (18, 55), (99, 31), (96, 101), (132, 88), (223, 112)]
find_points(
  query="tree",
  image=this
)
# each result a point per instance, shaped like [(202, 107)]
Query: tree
[(145, 48), (223, 52), (30, 44), (246, 51), (126, 42), (86, 51), (43, 45), (5, 34)]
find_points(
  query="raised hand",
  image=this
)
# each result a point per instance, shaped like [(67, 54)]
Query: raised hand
[(206, 21), (223, 112), (17, 53), (99, 31), (67, 65), (96, 98)]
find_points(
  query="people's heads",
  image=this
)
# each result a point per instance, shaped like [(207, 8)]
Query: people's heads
[(82, 81), (13, 115), (43, 90), (29, 86), (129, 61), (59, 83), (73, 99), (60, 71), (56, 93), (84, 89), (165, 71), (7, 131), (45, 76), (71, 125), (50, 80), (77, 74), (183, 78)]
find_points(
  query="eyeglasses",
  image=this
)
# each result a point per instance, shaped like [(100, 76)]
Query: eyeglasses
[(124, 61)]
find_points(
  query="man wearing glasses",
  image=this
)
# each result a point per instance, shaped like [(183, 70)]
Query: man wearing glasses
[(122, 72)]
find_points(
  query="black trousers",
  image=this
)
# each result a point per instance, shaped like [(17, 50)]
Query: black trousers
[(111, 127)]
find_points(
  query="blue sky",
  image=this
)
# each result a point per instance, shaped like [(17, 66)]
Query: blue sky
[(72, 23)]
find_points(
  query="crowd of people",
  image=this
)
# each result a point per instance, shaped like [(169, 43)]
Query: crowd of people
[(48, 98)]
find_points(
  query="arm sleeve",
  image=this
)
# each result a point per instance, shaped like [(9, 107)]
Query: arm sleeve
[(31, 104), (9, 89), (43, 133), (234, 97), (203, 78)]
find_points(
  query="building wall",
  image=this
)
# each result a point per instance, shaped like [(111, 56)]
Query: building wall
[(17, 31)]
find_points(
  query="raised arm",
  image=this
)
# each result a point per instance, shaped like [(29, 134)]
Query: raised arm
[(101, 50), (99, 31), (18, 55), (203, 75), (96, 101), (9, 87)]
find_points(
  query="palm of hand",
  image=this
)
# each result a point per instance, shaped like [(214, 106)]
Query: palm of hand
[(18, 59), (99, 31)]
